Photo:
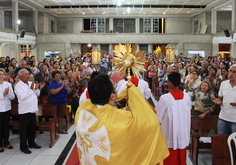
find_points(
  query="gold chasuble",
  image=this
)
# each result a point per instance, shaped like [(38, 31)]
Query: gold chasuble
[(108, 135)]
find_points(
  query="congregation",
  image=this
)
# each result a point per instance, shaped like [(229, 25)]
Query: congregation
[(208, 82)]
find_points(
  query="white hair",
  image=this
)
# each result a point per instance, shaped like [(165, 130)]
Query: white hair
[(20, 73), (232, 66)]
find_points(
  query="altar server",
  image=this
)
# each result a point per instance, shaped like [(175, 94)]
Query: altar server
[(173, 112)]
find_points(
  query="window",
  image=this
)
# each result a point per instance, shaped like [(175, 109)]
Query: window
[(124, 25), (149, 25), (51, 26)]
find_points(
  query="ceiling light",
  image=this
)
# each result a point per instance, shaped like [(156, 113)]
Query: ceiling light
[(128, 10), (60, 11), (144, 13), (123, 12), (188, 12), (18, 21), (164, 13), (89, 45), (192, 9), (83, 13), (104, 13), (158, 8), (119, 3)]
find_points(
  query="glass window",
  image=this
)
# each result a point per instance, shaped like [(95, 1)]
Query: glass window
[(93, 24), (124, 25)]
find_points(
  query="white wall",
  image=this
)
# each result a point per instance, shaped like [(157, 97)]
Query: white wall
[(178, 25), (63, 42)]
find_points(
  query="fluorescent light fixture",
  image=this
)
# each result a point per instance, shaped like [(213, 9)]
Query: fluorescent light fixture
[(18, 22), (83, 13), (144, 13), (89, 45), (164, 13), (104, 13), (119, 3)]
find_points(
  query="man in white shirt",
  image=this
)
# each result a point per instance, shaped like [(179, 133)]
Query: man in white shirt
[(227, 100), (27, 93), (139, 83)]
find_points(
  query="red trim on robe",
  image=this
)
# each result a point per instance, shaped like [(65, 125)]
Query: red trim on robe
[(176, 157), (135, 81), (87, 95), (177, 94)]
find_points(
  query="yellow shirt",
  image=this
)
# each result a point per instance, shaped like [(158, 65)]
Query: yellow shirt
[(107, 135)]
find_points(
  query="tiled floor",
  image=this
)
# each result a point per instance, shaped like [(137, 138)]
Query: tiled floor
[(45, 155)]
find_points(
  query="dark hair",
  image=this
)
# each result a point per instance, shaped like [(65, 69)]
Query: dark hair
[(55, 62), (29, 63), (175, 78), (214, 69), (100, 89), (67, 72), (186, 70), (94, 74), (55, 72), (197, 71)]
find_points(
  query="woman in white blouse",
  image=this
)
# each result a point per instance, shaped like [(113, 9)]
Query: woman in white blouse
[(6, 95)]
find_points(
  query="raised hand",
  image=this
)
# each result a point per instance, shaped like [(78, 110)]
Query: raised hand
[(233, 103), (41, 85), (32, 86), (37, 85), (63, 84), (217, 101), (6, 91)]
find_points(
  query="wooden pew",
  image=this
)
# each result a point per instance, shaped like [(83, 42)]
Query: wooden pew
[(45, 110), (47, 100), (207, 123)]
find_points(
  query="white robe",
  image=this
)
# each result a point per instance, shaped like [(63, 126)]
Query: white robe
[(174, 117), (142, 86), (83, 97)]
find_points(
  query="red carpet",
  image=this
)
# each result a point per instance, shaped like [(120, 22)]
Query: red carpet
[(116, 77), (74, 157)]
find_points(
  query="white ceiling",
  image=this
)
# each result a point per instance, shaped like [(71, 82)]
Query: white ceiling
[(120, 11)]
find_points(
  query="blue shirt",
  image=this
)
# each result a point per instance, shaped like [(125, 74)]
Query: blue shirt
[(61, 96), (106, 61)]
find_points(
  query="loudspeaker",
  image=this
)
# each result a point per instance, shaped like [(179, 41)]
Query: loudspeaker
[(226, 33), (22, 34)]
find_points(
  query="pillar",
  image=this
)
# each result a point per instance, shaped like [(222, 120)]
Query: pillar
[(150, 46), (213, 21), (233, 26), (110, 48), (14, 46), (111, 24), (137, 22)]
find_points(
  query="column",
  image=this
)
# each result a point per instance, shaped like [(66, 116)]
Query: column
[(67, 50), (110, 48), (213, 21), (138, 47), (137, 22), (36, 18), (2, 21), (233, 26), (98, 46), (150, 48), (215, 49), (110, 25), (14, 50)]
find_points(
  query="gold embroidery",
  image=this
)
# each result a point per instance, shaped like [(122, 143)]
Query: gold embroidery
[(84, 144)]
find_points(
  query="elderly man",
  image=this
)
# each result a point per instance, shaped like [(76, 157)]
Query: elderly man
[(227, 100), (22, 66), (27, 93)]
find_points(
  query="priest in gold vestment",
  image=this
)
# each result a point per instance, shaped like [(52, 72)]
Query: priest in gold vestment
[(108, 135)]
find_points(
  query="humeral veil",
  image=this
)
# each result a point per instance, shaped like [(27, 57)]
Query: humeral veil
[(107, 135)]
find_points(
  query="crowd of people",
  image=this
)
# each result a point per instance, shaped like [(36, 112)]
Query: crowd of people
[(189, 82), (25, 81)]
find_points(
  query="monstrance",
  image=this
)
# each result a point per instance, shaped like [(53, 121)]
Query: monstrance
[(129, 58)]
